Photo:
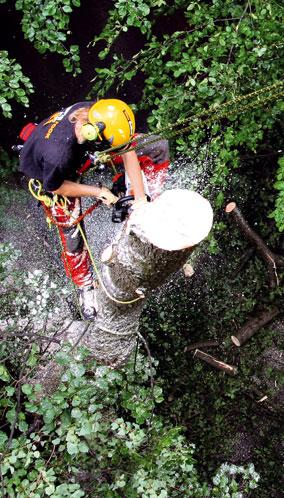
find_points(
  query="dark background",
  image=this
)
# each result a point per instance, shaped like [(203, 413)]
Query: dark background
[(54, 88)]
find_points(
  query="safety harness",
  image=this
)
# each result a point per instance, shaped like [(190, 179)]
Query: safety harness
[(47, 201)]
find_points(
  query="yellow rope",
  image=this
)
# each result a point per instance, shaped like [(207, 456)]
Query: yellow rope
[(49, 202), (39, 196), (99, 276), (213, 109)]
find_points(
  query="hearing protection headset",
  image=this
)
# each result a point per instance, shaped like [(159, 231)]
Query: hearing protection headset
[(110, 119), (92, 131)]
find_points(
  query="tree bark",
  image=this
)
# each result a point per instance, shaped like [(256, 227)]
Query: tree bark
[(131, 268), (201, 344), (271, 260), (134, 268), (220, 365), (253, 325)]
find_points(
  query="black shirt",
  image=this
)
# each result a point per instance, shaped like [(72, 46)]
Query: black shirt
[(52, 154)]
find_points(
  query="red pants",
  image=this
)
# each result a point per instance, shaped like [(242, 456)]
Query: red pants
[(75, 256)]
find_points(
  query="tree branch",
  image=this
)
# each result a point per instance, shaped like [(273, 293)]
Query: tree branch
[(220, 365), (253, 325), (201, 344), (271, 260)]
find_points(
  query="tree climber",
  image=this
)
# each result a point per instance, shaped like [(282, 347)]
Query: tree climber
[(53, 154)]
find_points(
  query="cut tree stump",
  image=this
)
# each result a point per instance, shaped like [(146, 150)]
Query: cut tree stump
[(271, 260), (153, 244)]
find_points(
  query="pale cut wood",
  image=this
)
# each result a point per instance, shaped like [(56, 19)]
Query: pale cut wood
[(220, 365)]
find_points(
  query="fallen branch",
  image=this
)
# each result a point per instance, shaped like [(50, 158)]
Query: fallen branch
[(201, 344), (220, 365), (253, 325), (271, 260)]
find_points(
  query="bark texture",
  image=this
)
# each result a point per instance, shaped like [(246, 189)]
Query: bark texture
[(131, 268), (253, 325), (135, 268), (271, 260)]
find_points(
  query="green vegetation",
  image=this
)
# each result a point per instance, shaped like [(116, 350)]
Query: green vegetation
[(98, 434), (14, 85), (46, 25), (213, 70), (227, 50), (278, 213)]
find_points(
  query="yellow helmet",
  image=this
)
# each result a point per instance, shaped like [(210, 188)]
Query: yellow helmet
[(117, 117)]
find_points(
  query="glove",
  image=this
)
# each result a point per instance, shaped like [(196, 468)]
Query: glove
[(139, 203), (107, 197)]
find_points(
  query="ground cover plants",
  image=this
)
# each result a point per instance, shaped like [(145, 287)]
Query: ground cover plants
[(210, 78)]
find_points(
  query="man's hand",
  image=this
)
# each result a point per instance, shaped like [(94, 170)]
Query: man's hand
[(106, 196), (137, 203)]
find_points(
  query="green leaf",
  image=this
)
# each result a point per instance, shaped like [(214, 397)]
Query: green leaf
[(72, 448), (4, 374), (27, 389), (67, 9), (3, 439)]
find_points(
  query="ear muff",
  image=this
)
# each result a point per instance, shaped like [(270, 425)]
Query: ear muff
[(89, 131), (92, 132)]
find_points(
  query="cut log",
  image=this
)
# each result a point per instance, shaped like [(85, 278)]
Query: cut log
[(271, 260), (220, 365), (201, 344), (155, 242), (253, 325)]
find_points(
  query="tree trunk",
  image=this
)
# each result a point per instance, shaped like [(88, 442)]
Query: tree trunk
[(154, 243), (132, 268)]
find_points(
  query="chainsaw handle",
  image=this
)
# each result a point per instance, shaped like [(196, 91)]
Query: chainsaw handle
[(120, 208), (124, 200)]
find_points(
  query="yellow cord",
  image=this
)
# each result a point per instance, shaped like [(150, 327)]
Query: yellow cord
[(38, 195), (49, 203), (98, 273)]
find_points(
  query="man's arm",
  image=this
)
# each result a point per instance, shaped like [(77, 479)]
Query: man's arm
[(73, 189), (132, 168)]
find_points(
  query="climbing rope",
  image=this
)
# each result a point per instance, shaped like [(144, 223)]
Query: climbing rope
[(218, 110), (99, 276)]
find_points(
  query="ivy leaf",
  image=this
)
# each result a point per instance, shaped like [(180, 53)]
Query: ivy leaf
[(4, 374)]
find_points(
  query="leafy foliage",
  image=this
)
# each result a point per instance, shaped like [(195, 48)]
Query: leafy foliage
[(278, 213), (14, 85), (46, 25), (97, 434), (227, 49), (124, 16)]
